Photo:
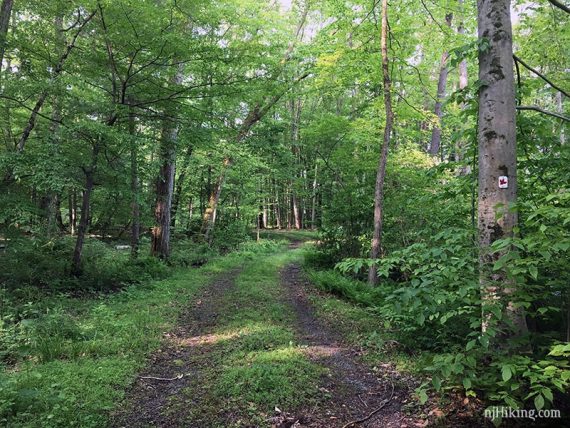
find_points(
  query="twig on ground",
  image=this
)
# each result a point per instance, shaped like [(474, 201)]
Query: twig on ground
[(180, 376), (359, 421)]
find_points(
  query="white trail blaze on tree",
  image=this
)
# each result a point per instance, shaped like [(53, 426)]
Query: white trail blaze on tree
[(497, 151)]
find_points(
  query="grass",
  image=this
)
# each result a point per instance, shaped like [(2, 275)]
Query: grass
[(82, 359), (257, 364), (87, 351), (348, 309)]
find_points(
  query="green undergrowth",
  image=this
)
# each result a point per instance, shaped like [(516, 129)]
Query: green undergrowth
[(346, 304), (73, 357), (291, 235), (257, 363)]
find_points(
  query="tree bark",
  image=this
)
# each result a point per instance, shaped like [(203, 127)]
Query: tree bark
[(72, 211), (53, 211), (441, 88), (160, 244), (560, 109), (5, 14), (497, 155), (295, 107), (463, 77), (76, 268), (463, 83), (381, 172), (211, 211), (180, 185), (314, 199), (135, 186), (277, 207)]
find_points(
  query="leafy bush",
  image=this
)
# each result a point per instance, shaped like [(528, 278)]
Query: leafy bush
[(263, 246), (436, 305), (45, 263), (189, 253), (439, 287), (229, 234)]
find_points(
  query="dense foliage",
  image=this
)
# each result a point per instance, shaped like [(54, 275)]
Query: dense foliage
[(130, 125)]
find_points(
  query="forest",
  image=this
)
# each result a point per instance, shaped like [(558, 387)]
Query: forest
[(284, 213)]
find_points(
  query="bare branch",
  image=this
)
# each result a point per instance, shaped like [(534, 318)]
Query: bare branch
[(539, 74), (546, 112), (43, 96), (560, 5)]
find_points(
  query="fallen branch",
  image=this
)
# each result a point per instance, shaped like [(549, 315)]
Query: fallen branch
[(359, 421), (180, 376)]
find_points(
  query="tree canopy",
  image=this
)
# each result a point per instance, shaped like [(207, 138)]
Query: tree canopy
[(427, 142)]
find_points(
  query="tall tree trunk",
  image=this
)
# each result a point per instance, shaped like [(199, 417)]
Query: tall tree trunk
[(135, 207), (295, 207), (76, 268), (265, 213), (441, 87), (72, 211), (5, 13), (381, 173), (211, 211), (314, 199), (160, 244), (277, 207), (53, 210), (560, 109), (463, 82), (497, 155), (463, 77), (295, 107), (58, 216), (180, 185)]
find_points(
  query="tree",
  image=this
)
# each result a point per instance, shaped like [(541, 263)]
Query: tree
[(5, 14), (441, 87), (381, 172), (160, 245), (497, 154)]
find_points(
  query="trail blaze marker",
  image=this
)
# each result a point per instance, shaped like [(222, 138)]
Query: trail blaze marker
[(503, 182)]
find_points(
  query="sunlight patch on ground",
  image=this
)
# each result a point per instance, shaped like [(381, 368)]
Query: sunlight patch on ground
[(320, 351)]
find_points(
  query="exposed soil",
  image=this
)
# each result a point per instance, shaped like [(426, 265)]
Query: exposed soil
[(353, 391), (175, 388), (154, 399)]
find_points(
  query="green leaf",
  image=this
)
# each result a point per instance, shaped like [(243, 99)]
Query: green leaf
[(539, 402), (506, 373), (547, 394), (533, 272), (422, 396), (436, 383), (421, 318), (466, 383)]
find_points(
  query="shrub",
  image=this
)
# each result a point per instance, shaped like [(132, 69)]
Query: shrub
[(189, 253)]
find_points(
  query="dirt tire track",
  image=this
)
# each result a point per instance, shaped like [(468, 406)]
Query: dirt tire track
[(156, 403), (354, 390)]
